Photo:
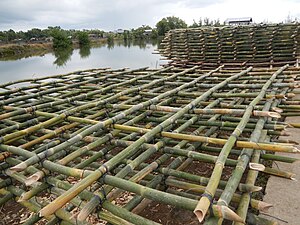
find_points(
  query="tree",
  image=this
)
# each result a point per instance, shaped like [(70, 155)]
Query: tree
[(83, 38), (194, 25), (139, 33), (169, 23), (35, 33), (11, 35), (3, 37), (207, 22), (60, 39)]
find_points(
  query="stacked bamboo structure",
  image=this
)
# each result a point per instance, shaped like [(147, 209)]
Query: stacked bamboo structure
[(73, 145), (264, 45)]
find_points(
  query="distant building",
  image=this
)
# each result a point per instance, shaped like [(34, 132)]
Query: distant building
[(239, 21), (148, 32), (93, 36), (33, 39), (49, 39), (119, 31)]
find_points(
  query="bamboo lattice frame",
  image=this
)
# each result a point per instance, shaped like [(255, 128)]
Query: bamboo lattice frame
[(87, 138), (264, 45)]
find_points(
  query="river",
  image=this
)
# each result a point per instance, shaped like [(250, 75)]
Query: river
[(117, 55)]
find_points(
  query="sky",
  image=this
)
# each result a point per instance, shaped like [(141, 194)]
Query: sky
[(126, 14)]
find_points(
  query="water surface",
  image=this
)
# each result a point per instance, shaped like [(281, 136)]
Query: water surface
[(117, 55)]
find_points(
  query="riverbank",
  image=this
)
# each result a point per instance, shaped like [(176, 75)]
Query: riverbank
[(16, 51)]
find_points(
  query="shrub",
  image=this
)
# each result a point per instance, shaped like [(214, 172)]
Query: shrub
[(60, 39), (83, 38)]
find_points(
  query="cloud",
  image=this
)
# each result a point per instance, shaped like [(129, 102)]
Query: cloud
[(113, 14)]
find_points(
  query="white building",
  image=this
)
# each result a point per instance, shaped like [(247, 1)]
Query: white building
[(239, 21)]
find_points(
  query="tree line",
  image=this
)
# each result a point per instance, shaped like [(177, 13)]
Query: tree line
[(161, 28), (62, 38)]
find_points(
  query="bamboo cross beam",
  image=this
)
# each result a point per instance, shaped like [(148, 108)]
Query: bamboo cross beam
[(164, 157), (147, 128), (60, 201), (204, 202), (204, 111), (243, 161), (240, 144), (95, 127)]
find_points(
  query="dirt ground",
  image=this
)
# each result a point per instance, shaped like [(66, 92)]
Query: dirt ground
[(13, 213), (284, 194)]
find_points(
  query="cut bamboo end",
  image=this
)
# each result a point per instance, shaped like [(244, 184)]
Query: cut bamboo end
[(22, 198), (264, 206), (88, 208), (33, 179), (274, 115), (294, 76), (202, 208), (296, 149), (229, 214), (276, 109), (290, 95), (256, 189), (267, 114), (219, 211), (257, 166), (199, 214), (18, 168), (45, 212), (289, 125), (81, 217), (293, 177), (74, 216)]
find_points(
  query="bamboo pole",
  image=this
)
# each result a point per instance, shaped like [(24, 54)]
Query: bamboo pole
[(139, 126), (204, 202)]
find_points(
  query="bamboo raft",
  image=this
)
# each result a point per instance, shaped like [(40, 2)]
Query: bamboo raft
[(114, 143), (264, 45), (139, 131)]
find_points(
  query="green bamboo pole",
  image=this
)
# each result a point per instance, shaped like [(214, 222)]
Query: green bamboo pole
[(60, 213), (124, 214), (218, 141), (99, 125), (205, 111), (204, 202), (111, 163), (272, 171), (131, 99), (251, 178), (243, 161), (159, 161), (64, 161)]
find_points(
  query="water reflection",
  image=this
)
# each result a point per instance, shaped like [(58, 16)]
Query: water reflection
[(131, 54), (141, 43), (85, 51), (110, 45), (62, 56)]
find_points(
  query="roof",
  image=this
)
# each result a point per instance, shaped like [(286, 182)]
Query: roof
[(242, 19)]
